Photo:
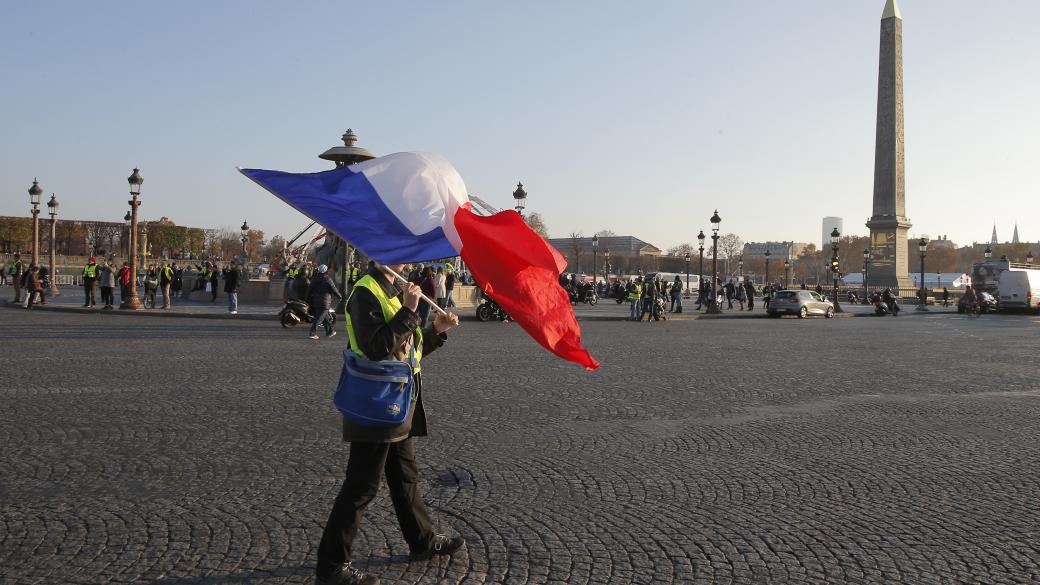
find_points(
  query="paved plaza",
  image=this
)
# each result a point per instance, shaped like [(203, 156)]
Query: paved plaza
[(866, 450)]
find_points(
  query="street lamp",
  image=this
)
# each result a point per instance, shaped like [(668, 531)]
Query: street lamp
[(687, 295), (740, 267), (835, 236), (126, 223), (922, 247), (1029, 257), (34, 198), (606, 266), (787, 273), (521, 198), (52, 207), (700, 263), (713, 306), (866, 264), (131, 302), (595, 260), (988, 253), (245, 240), (768, 254)]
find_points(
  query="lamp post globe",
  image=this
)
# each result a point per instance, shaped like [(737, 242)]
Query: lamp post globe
[(835, 238), (131, 302), (521, 198), (713, 301), (922, 293), (52, 210)]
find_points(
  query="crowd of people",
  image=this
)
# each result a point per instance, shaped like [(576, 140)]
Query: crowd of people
[(104, 277)]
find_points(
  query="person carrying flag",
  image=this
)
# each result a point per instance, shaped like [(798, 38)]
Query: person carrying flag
[(383, 323)]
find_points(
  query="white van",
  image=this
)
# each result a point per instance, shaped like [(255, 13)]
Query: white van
[(1019, 289)]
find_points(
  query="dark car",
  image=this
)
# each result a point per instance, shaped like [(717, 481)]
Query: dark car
[(987, 303)]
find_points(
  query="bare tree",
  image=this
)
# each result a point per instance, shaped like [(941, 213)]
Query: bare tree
[(730, 245), (576, 248), (682, 250), (537, 224), (606, 233)]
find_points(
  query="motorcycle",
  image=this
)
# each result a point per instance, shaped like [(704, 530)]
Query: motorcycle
[(880, 308), (852, 297), (488, 309), (296, 311), (619, 293), (590, 295)]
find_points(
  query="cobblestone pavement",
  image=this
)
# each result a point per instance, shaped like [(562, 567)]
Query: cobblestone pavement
[(206, 452)]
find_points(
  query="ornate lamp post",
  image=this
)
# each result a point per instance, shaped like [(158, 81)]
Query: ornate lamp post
[(700, 263), (787, 273), (740, 268), (835, 236), (988, 254), (34, 198), (606, 266), (52, 207), (687, 295), (521, 198), (922, 295), (768, 254), (866, 264), (713, 305), (245, 240), (595, 260), (131, 302)]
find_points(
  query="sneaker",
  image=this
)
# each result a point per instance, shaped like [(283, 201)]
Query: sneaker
[(442, 544), (313, 337), (333, 334), (233, 312), (347, 575)]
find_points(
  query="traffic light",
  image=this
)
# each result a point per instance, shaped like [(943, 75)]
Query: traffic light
[(834, 264)]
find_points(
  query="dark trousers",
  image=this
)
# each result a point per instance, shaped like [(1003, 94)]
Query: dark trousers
[(88, 291), (107, 298), (368, 462)]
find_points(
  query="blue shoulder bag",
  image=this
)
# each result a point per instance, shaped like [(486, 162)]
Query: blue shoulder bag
[(376, 394)]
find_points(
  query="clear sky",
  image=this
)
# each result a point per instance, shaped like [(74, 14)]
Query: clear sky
[(641, 118)]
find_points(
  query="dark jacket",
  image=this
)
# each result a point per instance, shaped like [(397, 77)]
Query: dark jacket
[(380, 340), (230, 280), (322, 291)]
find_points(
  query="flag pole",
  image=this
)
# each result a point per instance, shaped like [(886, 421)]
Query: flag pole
[(421, 295)]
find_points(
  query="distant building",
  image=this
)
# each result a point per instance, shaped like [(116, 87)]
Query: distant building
[(627, 254), (789, 250), (826, 227), (942, 242)]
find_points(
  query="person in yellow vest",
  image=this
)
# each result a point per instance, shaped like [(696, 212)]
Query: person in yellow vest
[(90, 275), (635, 293), (382, 323), (165, 282)]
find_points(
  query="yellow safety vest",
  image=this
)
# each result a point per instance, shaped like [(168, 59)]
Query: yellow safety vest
[(390, 307), (292, 272), (636, 293), (90, 271)]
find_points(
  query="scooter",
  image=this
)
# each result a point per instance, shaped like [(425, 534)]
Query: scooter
[(296, 311), (880, 308), (488, 309)]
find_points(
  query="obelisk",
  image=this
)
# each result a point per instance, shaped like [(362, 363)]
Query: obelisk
[(888, 225)]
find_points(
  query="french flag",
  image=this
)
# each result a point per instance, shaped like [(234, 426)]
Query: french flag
[(412, 206)]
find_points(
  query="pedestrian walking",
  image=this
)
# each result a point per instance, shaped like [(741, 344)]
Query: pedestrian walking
[(740, 295), (123, 277), (946, 297), (107, 281), (175, 288), (677, 290), (749, 291), (383, 323), (231, 282), (151, 283), (3, 274), (165, 274), (635, 293), (322, 290), (214, 279), (90, 274), (16, 271), (32, 285), (429, 288), (440, 288), (449, 288)]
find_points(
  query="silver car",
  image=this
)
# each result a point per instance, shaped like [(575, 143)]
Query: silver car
[(799, 302)]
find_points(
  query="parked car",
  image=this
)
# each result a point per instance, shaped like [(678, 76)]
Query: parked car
[(987, 303), (800, 302)]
